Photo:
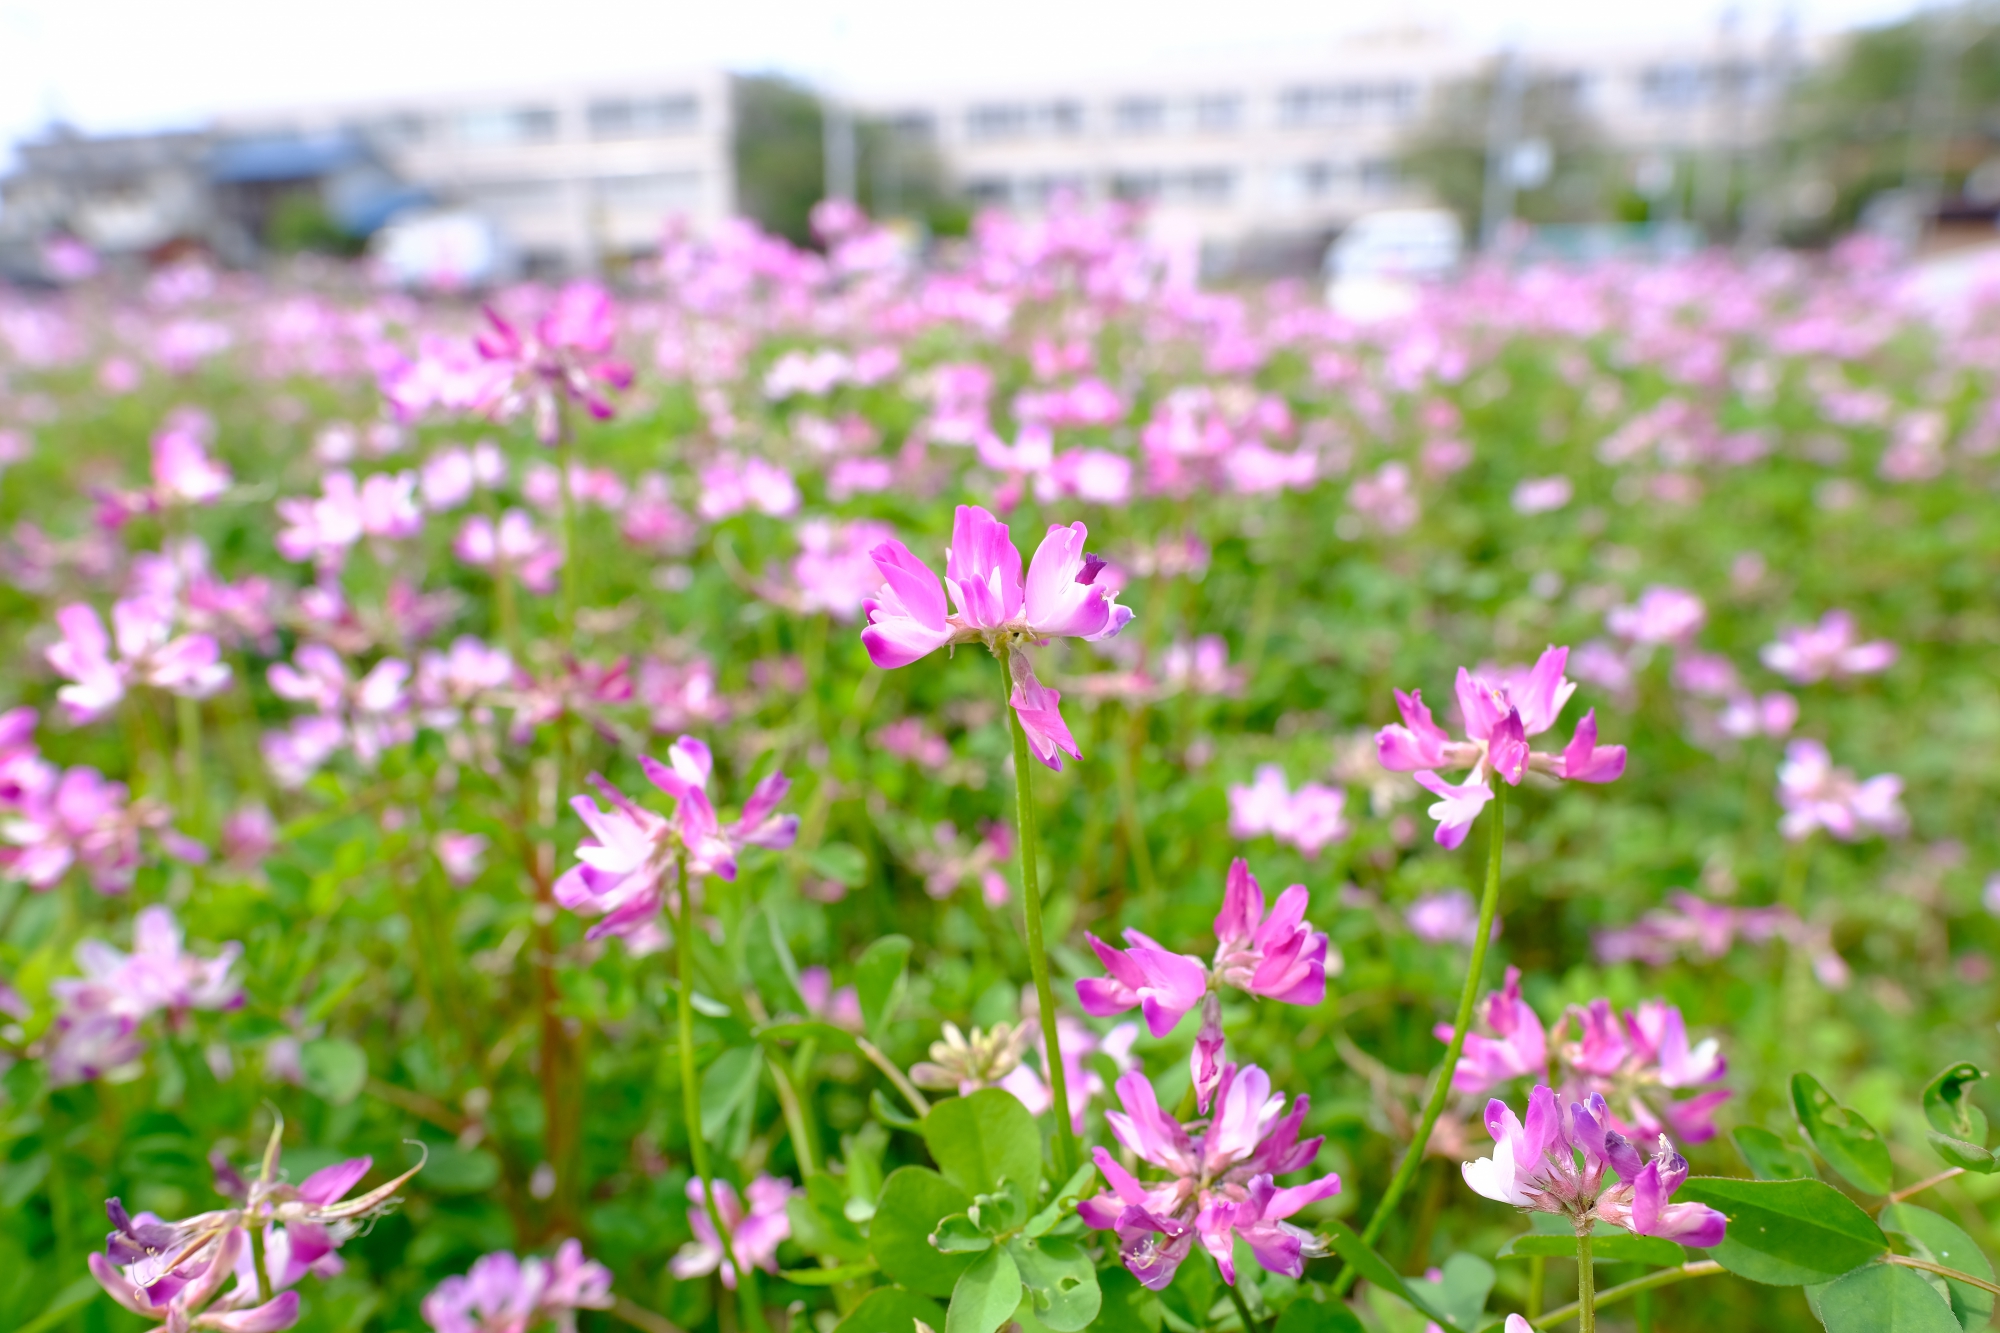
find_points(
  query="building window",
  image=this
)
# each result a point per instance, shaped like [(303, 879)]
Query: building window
[(1218, 111), (1013, 120), (502, 125), (913, 126), (638, 117), (1673, 87), (1139, 115), (1199, 185), (659, 191), (516, 197), (988, 190), (1329, 103), (1380, 175)]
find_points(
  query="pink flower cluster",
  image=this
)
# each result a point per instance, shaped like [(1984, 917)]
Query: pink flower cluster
[(503, 1294), (1308, 819), (1219, 1186), (624, 865), (1501, 710), (1816, 795), (1698, 929), (1557, 1162), (1636, 1061), (908, 618), (1277, 957), (754, 1235), (149, 652), (1806, 654), (97, 1027)]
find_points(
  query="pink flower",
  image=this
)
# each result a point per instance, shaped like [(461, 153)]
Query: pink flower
[(1810, 653), (1636, 1061), (149, 653), (833, 570), (732, 484), (322, 529), (1661, 615), (1500, 715), (182, 470), (1164, 984), (502, 1294), (1036, 705), (565, 357), (1543, 495), (1816, 795), (190, 1302), (1518, 1048), (754, 1236), (513, 546), (1309, 819), (841, 1007), (1078, 1043), (623, 865), (1450, 916), (1218, 1186), (463, 855), (1557, 1162)]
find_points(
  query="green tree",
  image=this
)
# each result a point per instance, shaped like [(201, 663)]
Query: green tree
[(1446, 150), (779, 149)]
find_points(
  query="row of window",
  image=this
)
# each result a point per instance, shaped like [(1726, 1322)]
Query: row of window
[(1199, 186), (603, 118), (1308, 104), (659, 190)]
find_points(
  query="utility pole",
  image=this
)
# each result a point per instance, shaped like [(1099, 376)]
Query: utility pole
[(1503, 132), (837, 148)]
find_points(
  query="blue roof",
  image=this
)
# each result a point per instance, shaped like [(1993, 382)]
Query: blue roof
[(286, 159)]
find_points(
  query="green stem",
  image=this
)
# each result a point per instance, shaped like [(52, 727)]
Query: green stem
[(1538, 1275), (1068, 1154), (1242, 1309), (1665, 1277), (1586, 1283), (795, 1120), (1128, 812), (746, 1280), (570, 572), (187, 713), (1489, 906), (257, 1262)]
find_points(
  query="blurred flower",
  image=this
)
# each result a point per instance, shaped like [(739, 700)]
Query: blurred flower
[(1816, 795), (965, 1064), (1030, 1085), (1636, 1060), (1661, 615), (513, 547), (754, 1236), (565, 356), (1810, 653), (149, 653), (1542, 495), (502, 1294), (463, 855), (732, 484), (841, 1007), (1518, 1047), (1449, 916), (1220, 1184), (1307, 819)]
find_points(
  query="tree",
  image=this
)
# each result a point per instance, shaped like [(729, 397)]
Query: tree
[(1447, 149), (779, 149)]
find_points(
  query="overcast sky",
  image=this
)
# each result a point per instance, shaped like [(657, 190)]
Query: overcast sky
[(142, 64)]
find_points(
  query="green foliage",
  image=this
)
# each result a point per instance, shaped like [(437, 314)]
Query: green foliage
[(1787, 1233), (780, 170), (914, 1200), (986, 1295), (1849, 1143), (876, 976), (1940, 1241), (985, 1140), (1770, 1157), (1881, 1299)]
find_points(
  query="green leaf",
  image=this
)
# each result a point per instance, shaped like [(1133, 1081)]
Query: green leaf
[(981, 1140), (1127, 1307), (1376, 1269), (1073, 1189), (1061, 1281), (1306, 1315), (889, 1113), (876, 975), (959, 1234), (774, 935), (1191, 1295), (1882, 1298), (914, 1200), (1787, 1233), (729, 1080), (335, 1069), (1461, 1289), (840, 862), (1770, 1157), (1948, 1103), (1939, 1240), (891, 1310), (826, 1277), (862, 1152), (66, 1303), (806, 1029), (1965, 1156), (986, 1295), (1606, 1247), (1850, 1144), (820, 1223)]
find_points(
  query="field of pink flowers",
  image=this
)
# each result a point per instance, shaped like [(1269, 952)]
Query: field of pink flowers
[(764, 798)]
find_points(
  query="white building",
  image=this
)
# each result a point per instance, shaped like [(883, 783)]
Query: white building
[(572, 173), (1298, 144)]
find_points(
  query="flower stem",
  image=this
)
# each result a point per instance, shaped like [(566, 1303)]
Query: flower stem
[(1489, 906), (1662, 1278), (257, 1262), (569, 569), (1124, 757), (1586, 1283), (1068, 1155), (746, 1281), (188, 716), (1242, 1310)]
